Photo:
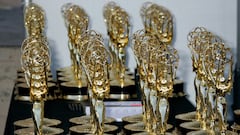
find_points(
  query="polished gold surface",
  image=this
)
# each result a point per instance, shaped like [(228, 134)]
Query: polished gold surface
[(218, 65), (140, 127), (75, 97), (133, 119), (34, 18), (157, 64), (35, 60), (95, 68), (87, 119), (87, 129), (204, 132), (89, 58), (117, 22), (36, 64), (76, 21), (74, 83), (199, 40), (23, 80), (45, 131), (157, 20), (97, 62), (25, 85), (29, 122), (192, 125), (212, 62), (23, 90), (121, 96), (146, 133)]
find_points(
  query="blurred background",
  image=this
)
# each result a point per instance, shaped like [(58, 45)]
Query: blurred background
[(11, 36)]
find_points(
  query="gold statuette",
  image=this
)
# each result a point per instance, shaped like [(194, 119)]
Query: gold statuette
[(117, 22), (218, 64), (158, 21), (97, 63), (34, 19), (36, 64), (76, 21)]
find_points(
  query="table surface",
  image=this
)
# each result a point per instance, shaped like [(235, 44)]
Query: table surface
[(62, 110)]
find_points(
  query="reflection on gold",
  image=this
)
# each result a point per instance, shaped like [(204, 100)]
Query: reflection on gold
[(158, 21), (35, 62), (76, 21), (212, 62), (157, 64), (117, 22)]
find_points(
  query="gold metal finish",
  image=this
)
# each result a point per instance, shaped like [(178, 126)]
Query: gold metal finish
[(76, 21), (34, 19), (117, 22), (212, 62), (97, 62), (199, 39), (218, 64), (35, 62), (158, 21), (157, 64)]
